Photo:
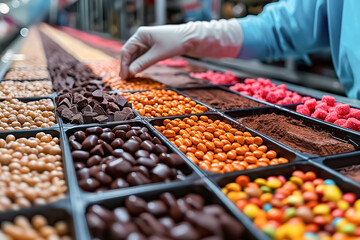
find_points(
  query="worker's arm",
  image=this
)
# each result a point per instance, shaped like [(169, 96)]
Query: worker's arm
[(289, 28), (149, 45)]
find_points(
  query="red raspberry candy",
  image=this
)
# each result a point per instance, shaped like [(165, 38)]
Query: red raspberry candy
[(355, 113), (329, 100), (342, 109), (303, 110), (352, 123), (322, 106), (331, 117), (319, 114), (340, 122), (311, 103)]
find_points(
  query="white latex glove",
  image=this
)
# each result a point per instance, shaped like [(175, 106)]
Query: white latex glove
[(149, 45)]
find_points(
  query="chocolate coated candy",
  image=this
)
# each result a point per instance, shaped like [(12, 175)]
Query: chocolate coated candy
[(184, 231), (89, 184), (195, 201), (79, 155), (120, 230), (94, 160), (122, 214), (119, 183), (131, 146), (94, 130), (137, 178), (90, 142), (117, 143), (97, 150), (118, 167), (142, 153), (96, 225), (75, 145), (103, 177), (161, 172), (83, 173), (107, 216), (147, 145), (135, 205), (107, 136), (159, 148), (147, 162), (230, 226), (206, 223), (136, 236), (157, 208), (123, 127), (80, 136)]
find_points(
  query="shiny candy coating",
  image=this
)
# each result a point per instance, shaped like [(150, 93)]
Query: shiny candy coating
[(300, 207), (122, 157), (168, 217), (219, 147), (162, 103)]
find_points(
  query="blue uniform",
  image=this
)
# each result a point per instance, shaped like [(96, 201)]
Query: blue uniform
[(295, 28)]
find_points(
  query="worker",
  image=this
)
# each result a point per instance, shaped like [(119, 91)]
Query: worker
[(289, 28)]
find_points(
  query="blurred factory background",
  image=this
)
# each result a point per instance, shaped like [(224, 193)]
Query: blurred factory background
[(118, 19)]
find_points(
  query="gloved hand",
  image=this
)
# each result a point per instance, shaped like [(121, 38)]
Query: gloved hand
[(149, 45)]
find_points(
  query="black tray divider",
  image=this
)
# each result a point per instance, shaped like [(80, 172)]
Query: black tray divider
[(279, 148), (323, 172), (204, 187), (338, 133), (193, 171)]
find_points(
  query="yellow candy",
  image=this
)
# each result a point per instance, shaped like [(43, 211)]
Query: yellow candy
[(357, 205), (296, 180), (341, 223), (266, 197), (295, 199), (290, 231), (321, 209), (260, 181), (224, 190), (320, 188), (343, 205), (332, 193), (296, 231), (251, 210), (273, 183), (236, 196), (233, 187)]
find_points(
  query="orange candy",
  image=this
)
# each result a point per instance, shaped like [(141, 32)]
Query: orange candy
[(214, 145)]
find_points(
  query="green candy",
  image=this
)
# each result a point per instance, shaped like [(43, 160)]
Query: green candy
[(270, 231), (348, 228), (290, 213), (265, 189)]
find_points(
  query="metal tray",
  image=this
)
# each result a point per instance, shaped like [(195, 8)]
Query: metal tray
[(293, 109), (281, 149), (336, 163), (337, 133), (266, 104), (210, 109), (53, 212), (179, 190), (55, 132), (189, 169), (26, 100), (286, 171)]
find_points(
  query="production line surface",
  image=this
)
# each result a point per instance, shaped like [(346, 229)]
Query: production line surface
[(128, 155)]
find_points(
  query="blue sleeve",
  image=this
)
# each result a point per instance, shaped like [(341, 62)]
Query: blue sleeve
[(289, 28)]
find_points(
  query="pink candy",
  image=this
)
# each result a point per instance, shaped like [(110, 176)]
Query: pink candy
[(330, 111), (179, 62), (264, 89), (216, 78)]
